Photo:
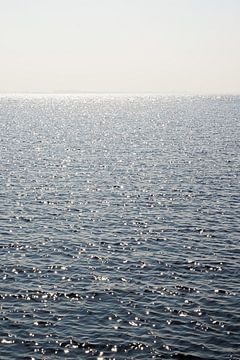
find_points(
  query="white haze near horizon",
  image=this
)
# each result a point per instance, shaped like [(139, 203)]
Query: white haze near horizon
[(120, 46)]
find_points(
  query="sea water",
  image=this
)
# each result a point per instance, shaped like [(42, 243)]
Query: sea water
[(119, 227)]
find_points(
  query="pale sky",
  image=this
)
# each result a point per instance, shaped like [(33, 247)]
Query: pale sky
[(120, 46)]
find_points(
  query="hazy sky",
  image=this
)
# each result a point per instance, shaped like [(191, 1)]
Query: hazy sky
[(120, 45)]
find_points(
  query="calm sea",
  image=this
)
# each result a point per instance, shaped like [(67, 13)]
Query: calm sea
[(119, 227)]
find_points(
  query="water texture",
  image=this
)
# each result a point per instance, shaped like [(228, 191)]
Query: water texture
[(119, 227)]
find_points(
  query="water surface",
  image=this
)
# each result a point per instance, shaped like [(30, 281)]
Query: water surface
[(119, 227)]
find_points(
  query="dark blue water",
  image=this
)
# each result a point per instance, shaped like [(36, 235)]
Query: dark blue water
[(119, 227)]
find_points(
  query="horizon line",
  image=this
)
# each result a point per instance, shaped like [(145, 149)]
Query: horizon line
[(159, 93)]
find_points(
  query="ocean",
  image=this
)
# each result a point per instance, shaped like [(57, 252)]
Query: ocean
[(119, 227)]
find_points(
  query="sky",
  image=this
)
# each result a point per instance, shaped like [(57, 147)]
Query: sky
[(172, 46)]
